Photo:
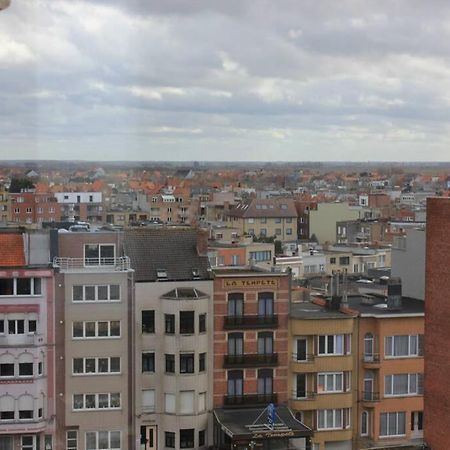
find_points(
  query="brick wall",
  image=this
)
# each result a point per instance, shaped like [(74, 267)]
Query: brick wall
[(437, 324)]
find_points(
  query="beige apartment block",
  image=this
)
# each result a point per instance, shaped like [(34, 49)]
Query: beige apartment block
[(265, 218), (322, 221), (173, 345), (94, 361)]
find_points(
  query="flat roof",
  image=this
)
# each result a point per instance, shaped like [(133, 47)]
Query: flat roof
[(311, 311)]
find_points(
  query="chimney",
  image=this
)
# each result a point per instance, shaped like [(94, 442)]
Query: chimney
[(394, 297), (202, 242)]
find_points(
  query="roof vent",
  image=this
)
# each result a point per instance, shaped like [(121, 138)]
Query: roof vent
[(196, 274), (161, 274)]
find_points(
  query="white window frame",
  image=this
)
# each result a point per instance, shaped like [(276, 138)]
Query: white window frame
[(410, 393), (96, 330), (72, 445), (97, 402), (97, 372), (109, 439), (334, 376), (383, 436), (335, 338), (345, 414), (389, 346), (96, 287), (365, 422)]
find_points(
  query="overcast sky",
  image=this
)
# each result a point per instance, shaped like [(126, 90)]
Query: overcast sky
[(225, 80)]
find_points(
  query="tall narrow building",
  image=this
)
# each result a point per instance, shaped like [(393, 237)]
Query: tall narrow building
[(437, 324)]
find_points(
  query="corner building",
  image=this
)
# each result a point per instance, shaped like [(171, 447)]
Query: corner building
[(251, 362)]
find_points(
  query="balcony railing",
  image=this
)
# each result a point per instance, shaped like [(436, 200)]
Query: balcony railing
[(249, 400), (87, 264), (252, 360), (371, 358), (303, 358), (370, 396), (238, 322), (305, 395), (21, 340)]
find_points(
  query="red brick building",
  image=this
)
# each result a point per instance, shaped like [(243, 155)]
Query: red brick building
[(250, 354), (33, 207), (437, 325)]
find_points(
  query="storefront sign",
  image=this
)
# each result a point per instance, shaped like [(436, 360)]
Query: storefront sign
[(252, 283)]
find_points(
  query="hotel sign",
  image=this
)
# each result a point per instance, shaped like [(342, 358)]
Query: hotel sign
[(255, 283)]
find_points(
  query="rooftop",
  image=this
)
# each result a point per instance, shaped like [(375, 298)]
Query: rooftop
[(165, 254), (12, 250)]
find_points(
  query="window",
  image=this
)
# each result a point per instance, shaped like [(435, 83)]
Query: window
[(235, 383), (148, 400), (7, 370), (20, 286), (187, 363), (265, 304), (300, 385), (148, 321), (202, 362), (26, 369), (265, 381), (333, 419), (403, 384), (169, 403), (170, 363), (235, 260), (187, 438), (101, 293), (169, 439), (263, 232), (265, 343), (263, 220), (235, 304), (201, 438), (403, 346), (28, 443), (100, 329), (99, 254), (392, 424), (187, 319), (330, 382), (148, 362), (261, 255), (365, 423), (344, 260), (277, 231), (202, 323), (202, 401), (332, 260), (96, 401), (235, 344), (288, 231), (72, 440), (302, 349), (331, 344), (108, 440), (169, 323), (96, 366), (186, 402)]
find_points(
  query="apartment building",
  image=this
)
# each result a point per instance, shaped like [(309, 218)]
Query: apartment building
[(362, 232), (437, 330), (265, 218), (390, 369), (32, 207), (27, 340), (251, 362), (356, 260), (322, 372), (5, 207), (93, 326), (322, 221), (85, 206), (172, 342)]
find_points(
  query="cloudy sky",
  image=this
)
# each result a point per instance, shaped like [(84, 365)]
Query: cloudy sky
[(225, 80)]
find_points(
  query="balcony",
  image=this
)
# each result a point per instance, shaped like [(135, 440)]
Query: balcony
[(371, 361), (253, 360), (370, 397), (121, 264), (303, 396), (21, 340), (247, 400), (250, 322)]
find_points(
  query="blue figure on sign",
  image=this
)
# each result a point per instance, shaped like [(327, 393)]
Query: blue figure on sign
[(271, 415)]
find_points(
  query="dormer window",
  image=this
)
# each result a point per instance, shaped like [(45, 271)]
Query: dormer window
[(161, 274)]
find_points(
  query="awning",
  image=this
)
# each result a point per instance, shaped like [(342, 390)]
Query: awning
[(254, 423)]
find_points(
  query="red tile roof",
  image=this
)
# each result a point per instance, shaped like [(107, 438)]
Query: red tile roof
[(11, 250)]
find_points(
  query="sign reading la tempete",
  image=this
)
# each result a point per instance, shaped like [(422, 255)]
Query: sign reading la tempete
[(252, 283)]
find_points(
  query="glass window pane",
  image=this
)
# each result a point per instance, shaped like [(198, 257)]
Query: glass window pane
[(77, 293), (114, 292), (90, 329), (89, 293), (103, 328), (102, 292)]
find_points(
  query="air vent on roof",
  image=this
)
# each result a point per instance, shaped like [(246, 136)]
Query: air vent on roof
[(161, 274), (196, 274)]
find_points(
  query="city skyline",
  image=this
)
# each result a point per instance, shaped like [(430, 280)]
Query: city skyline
[(254, 81)]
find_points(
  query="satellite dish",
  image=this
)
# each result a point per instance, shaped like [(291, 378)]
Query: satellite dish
[(4, 4)]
